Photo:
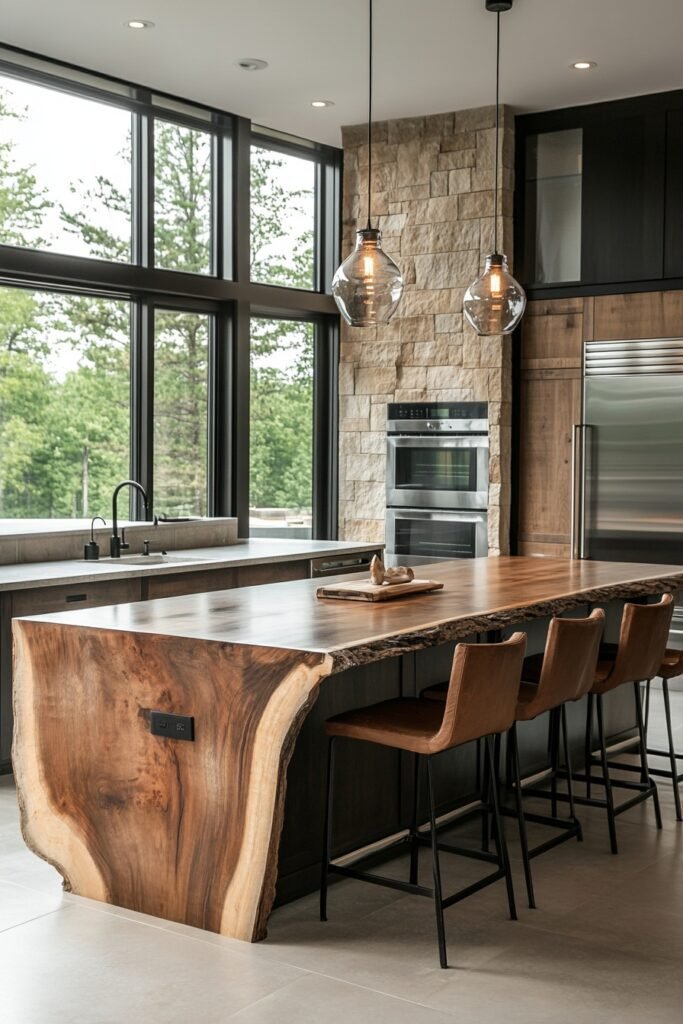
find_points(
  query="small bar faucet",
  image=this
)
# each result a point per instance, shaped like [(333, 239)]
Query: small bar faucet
[(116, 543)]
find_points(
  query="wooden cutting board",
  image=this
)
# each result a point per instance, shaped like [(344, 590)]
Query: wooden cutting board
[(366, 591)]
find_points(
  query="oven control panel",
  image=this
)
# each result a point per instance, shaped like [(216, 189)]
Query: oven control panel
[(437, 417)]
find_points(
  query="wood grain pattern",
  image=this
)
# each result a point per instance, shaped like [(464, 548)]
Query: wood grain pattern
[(638, 315), (552, 341), (550, 406), (184, 831), (190, 831)]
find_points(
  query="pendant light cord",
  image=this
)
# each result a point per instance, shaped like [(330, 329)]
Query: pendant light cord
[(369, 110), (495, 186)]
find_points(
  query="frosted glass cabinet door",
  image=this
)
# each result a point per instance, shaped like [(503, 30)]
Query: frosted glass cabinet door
[(553, 207)]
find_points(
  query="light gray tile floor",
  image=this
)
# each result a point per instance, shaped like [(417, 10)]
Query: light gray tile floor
[(605, 945)]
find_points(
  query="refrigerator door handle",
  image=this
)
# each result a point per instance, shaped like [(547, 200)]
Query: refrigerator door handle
[(577, 491)]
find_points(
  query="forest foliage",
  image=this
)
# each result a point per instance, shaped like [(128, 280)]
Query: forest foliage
[(65, 360)]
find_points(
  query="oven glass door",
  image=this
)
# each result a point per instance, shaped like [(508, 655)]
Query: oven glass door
[(438, 472), (437, 535)]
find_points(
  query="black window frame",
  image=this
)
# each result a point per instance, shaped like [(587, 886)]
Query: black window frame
[(227, 293)]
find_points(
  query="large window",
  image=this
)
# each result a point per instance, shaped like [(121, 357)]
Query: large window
[(182, 198), (281, 451), (65, 172), (164, 306), (64, 403), (181, 352), (282, 218)]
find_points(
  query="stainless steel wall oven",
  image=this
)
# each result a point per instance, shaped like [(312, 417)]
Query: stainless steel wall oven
[(437, 479)]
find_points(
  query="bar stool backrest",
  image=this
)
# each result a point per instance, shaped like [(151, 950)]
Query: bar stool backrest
[(482, 692), (569, 661), (642, 641)]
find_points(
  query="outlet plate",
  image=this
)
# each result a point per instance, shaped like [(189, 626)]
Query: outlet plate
[(172, 727)]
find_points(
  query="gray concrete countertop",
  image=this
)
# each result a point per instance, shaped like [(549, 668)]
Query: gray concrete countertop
[(29, 575)]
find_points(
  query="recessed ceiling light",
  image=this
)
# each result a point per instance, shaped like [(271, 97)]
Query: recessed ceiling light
[(139, 23), (322, 103), (252, 64), (584, 65)]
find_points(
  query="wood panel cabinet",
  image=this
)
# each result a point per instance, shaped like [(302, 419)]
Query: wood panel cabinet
[(550, 406), (41, 602), (272, 572), (177, 584)]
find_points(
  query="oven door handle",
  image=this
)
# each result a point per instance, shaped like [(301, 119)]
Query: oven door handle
[(437, 441)]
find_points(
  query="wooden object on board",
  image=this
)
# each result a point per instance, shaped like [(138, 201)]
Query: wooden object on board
[(394, 575), (189, 831), (366, 591)]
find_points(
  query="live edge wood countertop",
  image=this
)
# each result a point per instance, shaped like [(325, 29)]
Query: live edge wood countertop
[(190, 831)]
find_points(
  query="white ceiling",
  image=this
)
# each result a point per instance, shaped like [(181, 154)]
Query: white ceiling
[(430, 55)]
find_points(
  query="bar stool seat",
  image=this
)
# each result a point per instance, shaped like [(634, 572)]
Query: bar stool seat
[(635, 659), (670, 668), (480, 704), (563, 673), (406, 723)]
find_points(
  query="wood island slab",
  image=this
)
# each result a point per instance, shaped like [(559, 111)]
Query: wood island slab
[(189, 831)]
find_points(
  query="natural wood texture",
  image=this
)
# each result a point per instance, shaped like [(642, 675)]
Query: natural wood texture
[(280, 572), (190, 831), (550, 406), (553, 307), (553, 340), (370, 592), (638, 315), (188, 583), (185, 831)]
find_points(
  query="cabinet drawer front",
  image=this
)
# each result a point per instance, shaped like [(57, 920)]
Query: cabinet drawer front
[(272, 572), (77, 595), (189, 583)]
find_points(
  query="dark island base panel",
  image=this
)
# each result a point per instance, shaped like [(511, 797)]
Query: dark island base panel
[(190, 831)]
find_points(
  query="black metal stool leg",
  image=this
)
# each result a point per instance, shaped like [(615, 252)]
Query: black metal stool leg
[(645, 775), (588, 745), (609, 798), (484, 798), (499, 836), (496, 744), (327, 835), (567, 759), (436, 871), (414, 840), (517, 783), (647, 705), (672, 749), (554, 755)]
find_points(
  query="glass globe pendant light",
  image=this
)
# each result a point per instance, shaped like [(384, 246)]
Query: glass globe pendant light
[(368, 285), (495, 303)]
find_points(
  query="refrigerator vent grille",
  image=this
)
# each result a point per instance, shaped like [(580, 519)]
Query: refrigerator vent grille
[(651, 355)]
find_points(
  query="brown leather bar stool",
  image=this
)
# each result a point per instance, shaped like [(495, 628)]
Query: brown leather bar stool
[(638, 657), (670, 668), (564, 672), (481, 702)]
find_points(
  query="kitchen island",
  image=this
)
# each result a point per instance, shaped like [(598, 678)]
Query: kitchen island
[(190, 831)]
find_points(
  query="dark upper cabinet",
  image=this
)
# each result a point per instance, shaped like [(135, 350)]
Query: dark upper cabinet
[(623, 199), (673, 225), (599, 195)]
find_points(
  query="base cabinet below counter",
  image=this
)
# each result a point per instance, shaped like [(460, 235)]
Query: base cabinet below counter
[(42, 601)]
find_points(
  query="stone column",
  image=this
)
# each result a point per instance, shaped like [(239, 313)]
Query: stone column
[(432, 198)]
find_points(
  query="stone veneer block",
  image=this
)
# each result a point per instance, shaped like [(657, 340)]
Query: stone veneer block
[(432, 195)]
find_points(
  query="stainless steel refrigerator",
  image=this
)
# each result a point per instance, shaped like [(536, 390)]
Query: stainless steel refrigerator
[(629, 455)]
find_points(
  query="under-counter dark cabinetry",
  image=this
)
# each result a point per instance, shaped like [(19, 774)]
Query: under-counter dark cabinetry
[(599, 199), (43, 601)]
